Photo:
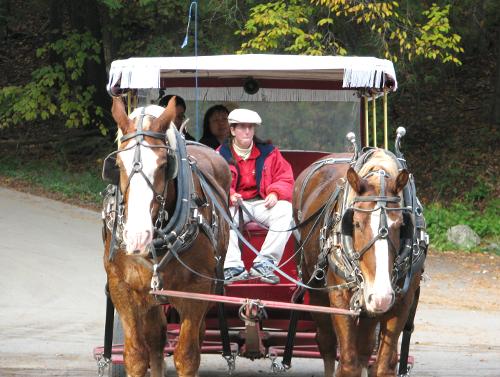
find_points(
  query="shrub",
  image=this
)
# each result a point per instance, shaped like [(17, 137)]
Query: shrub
[(440, 218)]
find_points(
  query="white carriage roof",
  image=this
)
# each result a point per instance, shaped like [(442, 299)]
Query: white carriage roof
[(226, 74)]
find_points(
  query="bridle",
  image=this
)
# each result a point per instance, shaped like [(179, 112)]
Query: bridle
[(137, 166), (337, 252), (381, 205), (111, 172)]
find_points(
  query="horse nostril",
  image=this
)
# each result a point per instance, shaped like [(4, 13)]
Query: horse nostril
[(370, 298)]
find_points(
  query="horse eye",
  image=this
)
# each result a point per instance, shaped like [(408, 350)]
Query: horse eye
[(357, 225)]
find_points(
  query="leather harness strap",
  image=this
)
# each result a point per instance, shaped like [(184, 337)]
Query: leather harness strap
[(405, 341), (108, 328)]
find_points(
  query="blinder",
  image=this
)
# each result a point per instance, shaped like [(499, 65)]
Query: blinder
[(110, 170), (407, 229), (347, 222), (172, 165)]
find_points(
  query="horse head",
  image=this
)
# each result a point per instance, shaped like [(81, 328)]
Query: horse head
[(372, 226), (145, 159)]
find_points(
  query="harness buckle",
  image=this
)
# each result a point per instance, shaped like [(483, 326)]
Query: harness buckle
[(102, 365), (137, 167), (336, 240), (155, 279), (319, 274)]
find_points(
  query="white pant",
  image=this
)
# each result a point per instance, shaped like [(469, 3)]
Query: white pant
[(278, 217)]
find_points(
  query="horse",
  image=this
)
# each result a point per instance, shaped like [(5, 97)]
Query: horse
[(360, 258), (162, 205)]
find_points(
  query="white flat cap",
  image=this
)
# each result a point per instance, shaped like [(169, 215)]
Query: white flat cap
[(244, 116)]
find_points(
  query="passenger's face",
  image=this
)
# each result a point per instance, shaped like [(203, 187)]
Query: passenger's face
[(243, 134), (219, 125), (180, 116)]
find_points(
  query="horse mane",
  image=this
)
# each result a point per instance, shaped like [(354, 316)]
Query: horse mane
[(379, 160)]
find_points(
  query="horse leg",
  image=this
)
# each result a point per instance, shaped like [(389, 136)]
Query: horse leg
[(154, 326), (347, 334), (390, 330), (325, 336), (387, 357), (135, 354), (327, 343), (202, 332), (366, 342), (187, 351)]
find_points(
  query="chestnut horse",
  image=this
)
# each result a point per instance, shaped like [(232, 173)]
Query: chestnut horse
[(148, 159), (360, 257)]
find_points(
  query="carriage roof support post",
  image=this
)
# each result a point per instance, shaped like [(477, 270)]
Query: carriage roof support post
[(374, 120), (367, 125), (386, 143)]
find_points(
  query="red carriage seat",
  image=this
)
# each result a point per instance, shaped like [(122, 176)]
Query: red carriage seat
[(299, 160)]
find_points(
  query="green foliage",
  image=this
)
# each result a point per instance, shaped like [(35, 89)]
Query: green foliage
[(435, 40), (55, 90), (316, 29), (285, 26), (118, 4), (440, 218)]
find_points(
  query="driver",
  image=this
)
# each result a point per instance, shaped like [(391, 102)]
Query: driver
[(263, 183)]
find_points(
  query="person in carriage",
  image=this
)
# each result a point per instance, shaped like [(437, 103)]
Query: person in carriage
[(215, 126), (262, 186)]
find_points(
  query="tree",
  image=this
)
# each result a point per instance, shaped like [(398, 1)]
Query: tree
[(326, 27), (56, 90), (82, 38), (69, 84)]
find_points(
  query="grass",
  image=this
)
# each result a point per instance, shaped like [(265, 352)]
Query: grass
[(79, 185)]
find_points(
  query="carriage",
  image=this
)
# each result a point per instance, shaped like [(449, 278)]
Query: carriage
[(309, 104)]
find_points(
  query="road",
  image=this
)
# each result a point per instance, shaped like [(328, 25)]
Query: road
[(52, 301)]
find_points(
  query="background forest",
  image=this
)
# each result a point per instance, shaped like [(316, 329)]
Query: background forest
[(55, 124)]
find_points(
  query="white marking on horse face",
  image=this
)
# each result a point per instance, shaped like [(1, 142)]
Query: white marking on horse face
[(379, 295), (138, 230)]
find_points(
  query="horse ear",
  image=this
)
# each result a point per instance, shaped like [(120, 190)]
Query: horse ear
[(354, 180), (119, 114), (402, 180), (163, 121)]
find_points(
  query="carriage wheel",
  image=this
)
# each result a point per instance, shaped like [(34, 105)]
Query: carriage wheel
[(117, 370)]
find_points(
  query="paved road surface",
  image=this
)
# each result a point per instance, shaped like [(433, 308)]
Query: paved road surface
[(52, 302)]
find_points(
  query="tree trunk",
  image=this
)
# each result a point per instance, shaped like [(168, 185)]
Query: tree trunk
[(4, 18), (496, 98), (55, 26), (84, 16), (108, 39)]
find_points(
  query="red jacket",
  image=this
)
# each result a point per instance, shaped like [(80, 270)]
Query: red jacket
[(264, 171)]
